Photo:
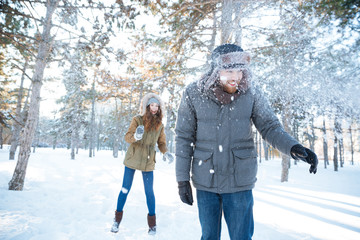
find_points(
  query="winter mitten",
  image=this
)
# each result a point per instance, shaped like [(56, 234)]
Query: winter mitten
[(299, 152), (168, 156), (185, 192), (139, 132)]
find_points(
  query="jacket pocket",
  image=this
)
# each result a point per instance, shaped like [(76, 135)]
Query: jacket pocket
[(152, 155), (203, 168), (245, 164), (150, 165)]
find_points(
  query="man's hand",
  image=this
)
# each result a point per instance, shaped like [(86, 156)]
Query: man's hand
[(299, 152), (185, 192)]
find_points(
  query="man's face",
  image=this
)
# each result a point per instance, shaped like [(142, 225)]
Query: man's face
[(230, 79)]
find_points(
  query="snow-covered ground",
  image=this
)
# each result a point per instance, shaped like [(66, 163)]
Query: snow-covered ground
[(76, 199)]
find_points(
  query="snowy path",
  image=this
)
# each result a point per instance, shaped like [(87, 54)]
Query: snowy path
[(75, 199)]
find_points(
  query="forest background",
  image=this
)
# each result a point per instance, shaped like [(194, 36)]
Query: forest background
[(98, 58)]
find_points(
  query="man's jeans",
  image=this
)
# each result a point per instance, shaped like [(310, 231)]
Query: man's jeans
[(238, 213)]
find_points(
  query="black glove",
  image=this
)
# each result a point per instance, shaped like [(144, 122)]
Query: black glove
[(185, 192), (299, 152)]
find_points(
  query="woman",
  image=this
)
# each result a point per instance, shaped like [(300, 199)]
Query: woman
[(144, 132)]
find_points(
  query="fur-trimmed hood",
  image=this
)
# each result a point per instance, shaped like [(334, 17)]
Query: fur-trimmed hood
[(240, 60), (145, 100)]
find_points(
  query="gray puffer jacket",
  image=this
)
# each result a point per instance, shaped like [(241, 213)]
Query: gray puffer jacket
[(215, 142)]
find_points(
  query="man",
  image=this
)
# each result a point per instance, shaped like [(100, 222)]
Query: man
[(214, 141)]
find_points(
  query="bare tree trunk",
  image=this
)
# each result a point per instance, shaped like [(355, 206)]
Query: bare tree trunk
[(77, 140), (99, 132), (340, 141), (260, 143), (18, 118), (170, 124), (266, 150), (312, 130), (18, 179), (55, 141), (351, 145), (117, 132), (74, 129), (226, 21), (116, 147), (68, 139), (141, 94), (341, 151), (337, 128), (295, 131), (1, 136), (335, 159), (285, 164), (325, 145), (256, 144), (213, 37), (36, 138), (72, 154), (238, 28), (92, 122)]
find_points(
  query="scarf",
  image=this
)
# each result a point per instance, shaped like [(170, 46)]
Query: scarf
[(224, 97)]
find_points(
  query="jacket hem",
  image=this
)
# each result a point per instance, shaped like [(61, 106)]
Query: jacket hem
[(232, 190), (136, 168)]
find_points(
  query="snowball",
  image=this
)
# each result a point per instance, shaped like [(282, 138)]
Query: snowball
[(200, 162), (124, 190), (220, 148), (212, 171), (223, 78)]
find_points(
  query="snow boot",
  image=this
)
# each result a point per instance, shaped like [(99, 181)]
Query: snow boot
[(152, 224), (117, 220)]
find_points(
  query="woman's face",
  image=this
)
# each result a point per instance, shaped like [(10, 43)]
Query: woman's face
[(154, 107), (230, 79)]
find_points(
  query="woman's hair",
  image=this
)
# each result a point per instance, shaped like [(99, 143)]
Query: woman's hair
[(152, 122)]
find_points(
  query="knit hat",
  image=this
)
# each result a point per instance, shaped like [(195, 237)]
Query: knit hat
[(153, 100), (224, 57), (222, 50)]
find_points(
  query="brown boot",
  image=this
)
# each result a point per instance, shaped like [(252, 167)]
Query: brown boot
[(152, 224), (117, 220)]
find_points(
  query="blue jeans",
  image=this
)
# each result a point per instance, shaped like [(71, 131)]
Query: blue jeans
[(238, 213), (148, 178)]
